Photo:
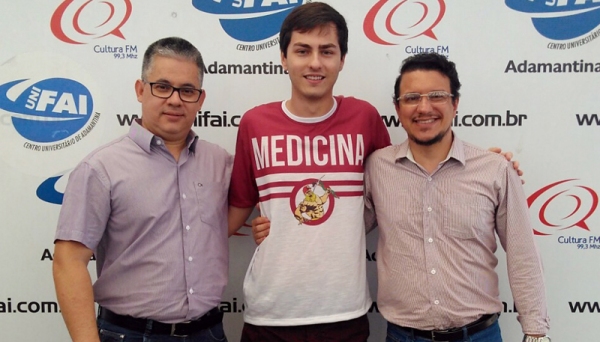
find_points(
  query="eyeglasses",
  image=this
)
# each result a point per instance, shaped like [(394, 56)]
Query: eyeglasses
[(413, 99), (164, 91)]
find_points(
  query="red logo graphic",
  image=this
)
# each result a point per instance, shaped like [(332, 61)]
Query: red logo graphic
[(81, 21), (312, 202), (390, 22), (562, 205)]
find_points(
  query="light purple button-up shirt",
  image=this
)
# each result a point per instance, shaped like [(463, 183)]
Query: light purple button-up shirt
[(158, 227), (437, 239)]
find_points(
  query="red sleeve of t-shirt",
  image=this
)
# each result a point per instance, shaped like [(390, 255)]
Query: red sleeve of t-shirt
[(381, 133), (243, 192)]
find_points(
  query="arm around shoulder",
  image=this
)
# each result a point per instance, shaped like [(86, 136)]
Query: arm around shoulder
[(74, 289)]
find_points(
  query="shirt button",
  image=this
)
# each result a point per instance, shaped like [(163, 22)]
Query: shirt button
[(436, 302), (158, 142), (190, 258), (184, 196), (429, 179), (191, 291), (428, 209), (430, 240), (187, 227), (433, 271)]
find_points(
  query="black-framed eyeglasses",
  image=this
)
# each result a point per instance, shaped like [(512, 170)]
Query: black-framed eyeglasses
[(164, 91), (413, 99)]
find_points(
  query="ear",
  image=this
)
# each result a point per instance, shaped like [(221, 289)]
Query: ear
[(283, 61), (342, 62), (455, 107), (139, 90), (202, 98)]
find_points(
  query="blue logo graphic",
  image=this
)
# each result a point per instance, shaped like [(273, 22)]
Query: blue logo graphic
[(249, 20), (49, 110), (47, 191), (560, 19)]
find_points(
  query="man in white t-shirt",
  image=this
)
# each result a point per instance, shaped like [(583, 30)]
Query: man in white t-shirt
[(303, 160)]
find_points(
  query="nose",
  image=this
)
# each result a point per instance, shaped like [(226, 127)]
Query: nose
[(315, 60)]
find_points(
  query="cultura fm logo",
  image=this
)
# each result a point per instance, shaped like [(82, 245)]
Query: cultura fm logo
[(561, 206), (249, 20), (82, 21), (561, 20), (390, 22)]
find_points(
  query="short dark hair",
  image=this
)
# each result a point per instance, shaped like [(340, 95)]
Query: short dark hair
[(173, 47), (309, 16), (429, 61)]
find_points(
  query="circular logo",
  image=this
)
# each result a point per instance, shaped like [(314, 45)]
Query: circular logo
[(312, 202), (389, 22), (562, 205), (48, 110), (248, 20), (77, 22), (48, 113)]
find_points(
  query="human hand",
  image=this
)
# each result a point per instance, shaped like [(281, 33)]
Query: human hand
[(260, 229), (508, 155)]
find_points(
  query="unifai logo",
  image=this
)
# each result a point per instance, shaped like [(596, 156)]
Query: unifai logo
[(562, 19), (48, 110), (390, 22), (561, 206), (52, 189), (249, 20), (82, 21)]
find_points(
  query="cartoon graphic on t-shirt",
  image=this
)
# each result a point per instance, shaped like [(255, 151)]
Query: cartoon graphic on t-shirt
[(312, 207)]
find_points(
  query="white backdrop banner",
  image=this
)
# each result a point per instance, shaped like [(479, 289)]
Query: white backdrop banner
[(530, 71)]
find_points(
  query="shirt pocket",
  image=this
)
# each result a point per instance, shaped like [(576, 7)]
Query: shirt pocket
[(464, 216), (212, 203)]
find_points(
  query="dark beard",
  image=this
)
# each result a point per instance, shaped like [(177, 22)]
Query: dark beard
[(431, 141)]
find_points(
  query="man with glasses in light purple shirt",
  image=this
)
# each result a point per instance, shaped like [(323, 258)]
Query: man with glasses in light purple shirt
[(440, 203), (152, 207)]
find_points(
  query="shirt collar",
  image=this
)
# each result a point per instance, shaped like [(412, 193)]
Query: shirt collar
[(145, 139), (311, 119), (457, 151)]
